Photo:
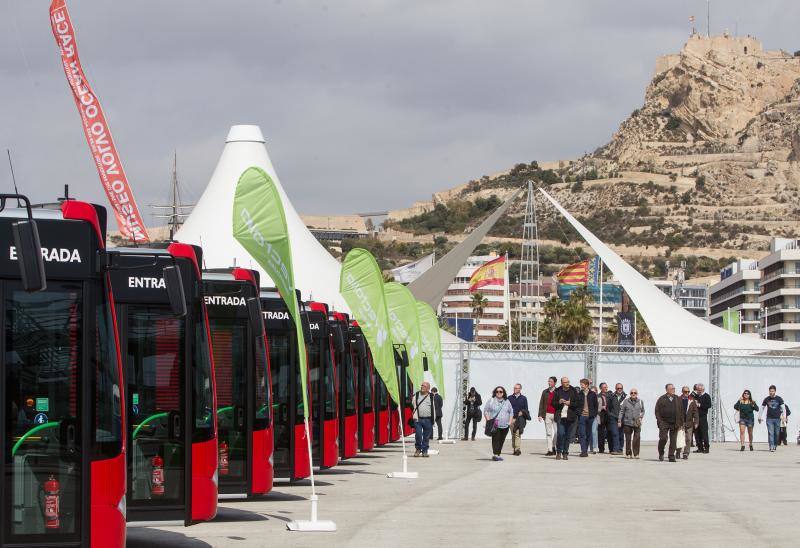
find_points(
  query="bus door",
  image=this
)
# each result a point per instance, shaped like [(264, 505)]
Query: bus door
[(365, 399), (172, 458), (241, 371), (347, 383), (322, 384), (382, 422), (61, 417), (290, 450)]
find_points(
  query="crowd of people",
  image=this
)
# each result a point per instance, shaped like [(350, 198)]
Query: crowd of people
[(599, 419)]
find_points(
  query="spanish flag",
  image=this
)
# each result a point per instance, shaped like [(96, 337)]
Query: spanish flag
[(574, 274), (491, 273)]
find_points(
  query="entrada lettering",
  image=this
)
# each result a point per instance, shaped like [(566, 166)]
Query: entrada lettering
[(270, 315), (52, 255), (136, 282), (222, 300)]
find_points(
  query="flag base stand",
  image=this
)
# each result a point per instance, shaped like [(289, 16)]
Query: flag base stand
[(313, 524), (405, 474)]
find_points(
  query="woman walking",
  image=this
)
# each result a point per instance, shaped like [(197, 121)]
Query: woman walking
[(498, 413), (472, 412), (747, 416), (631, 413)]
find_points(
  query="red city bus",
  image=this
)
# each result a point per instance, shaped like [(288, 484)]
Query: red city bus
[(62, 479), (322, 385), (406, 391), (169, 376), (290, 452), (241, 367), (365, 397), (348, 381)]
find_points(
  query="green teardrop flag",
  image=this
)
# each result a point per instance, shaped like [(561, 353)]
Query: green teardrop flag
[(361, 285), (431, 343), (259, 224), (404, 326)]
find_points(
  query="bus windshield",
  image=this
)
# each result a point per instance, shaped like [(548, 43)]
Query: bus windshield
[(43, 355)]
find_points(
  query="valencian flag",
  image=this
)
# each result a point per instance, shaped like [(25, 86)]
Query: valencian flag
[(574, 274), (259, 224), (491, 273), (361, 285)]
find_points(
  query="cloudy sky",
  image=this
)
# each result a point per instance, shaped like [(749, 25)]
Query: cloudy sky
[(366, 105)]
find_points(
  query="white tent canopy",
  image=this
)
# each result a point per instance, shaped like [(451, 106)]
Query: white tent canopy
[(670, 325), (210, 224)]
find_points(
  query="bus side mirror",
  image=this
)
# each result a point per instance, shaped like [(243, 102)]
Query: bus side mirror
[(404, 354), (424, 363), (174, 286), (29, 255), (256, 319)]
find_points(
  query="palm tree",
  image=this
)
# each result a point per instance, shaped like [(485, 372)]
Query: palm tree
[(478, 304), (575, 325)]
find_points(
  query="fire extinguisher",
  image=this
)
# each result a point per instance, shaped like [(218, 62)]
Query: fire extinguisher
[(223, 459), (52, 495), (157, 476)]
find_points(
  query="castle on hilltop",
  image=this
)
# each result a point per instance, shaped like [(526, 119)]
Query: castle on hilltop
[(722, 46)]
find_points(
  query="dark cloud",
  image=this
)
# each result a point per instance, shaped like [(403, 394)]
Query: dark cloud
[(365, 105)]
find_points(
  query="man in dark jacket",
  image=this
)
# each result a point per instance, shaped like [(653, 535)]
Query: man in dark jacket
[(547, 414), (521, 414), (587, 411), (669, 417), (691, 418), (703, 400), (438, 403), (615, 434), (565, 398)]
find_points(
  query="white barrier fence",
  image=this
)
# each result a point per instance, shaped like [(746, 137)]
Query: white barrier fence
[(724, 372)]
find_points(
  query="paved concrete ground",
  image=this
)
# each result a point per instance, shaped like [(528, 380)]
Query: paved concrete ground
[(464, 499)]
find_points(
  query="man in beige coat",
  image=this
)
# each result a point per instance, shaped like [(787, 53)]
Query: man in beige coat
[(691, 420)]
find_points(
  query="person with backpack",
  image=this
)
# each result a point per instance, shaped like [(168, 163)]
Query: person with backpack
[(438, 404), (498, 413), (472, 412), (423, 410)]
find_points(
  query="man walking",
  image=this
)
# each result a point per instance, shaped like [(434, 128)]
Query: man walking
[(690, 422), (703, 405), (547, 413), (776, 411), (587, 404), (438, 403), (519, 404), (422, 412), (566, 400), (602, 413), (669, 417), (615, 433)]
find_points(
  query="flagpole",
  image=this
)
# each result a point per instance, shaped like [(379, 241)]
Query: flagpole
[(508, 300), (405, 474), (600, 339)]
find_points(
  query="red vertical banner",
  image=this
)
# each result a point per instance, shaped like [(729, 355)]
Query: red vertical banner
[(95, 127)]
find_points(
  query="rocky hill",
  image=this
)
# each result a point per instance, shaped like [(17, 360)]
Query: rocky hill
[(708, 167)]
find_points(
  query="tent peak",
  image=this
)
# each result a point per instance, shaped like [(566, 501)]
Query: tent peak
[(245, 133)]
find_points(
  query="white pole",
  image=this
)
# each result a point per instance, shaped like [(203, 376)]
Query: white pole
[(405, 474), (508, 301), (314, 524), (634, 330), (600, 338)]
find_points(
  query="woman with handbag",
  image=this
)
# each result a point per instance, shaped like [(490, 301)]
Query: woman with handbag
[(472, 412), (631, 413), (746, 408), (498, 413)]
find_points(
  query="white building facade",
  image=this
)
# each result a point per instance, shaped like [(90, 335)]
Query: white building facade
[(780, 290), (738, 289)]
